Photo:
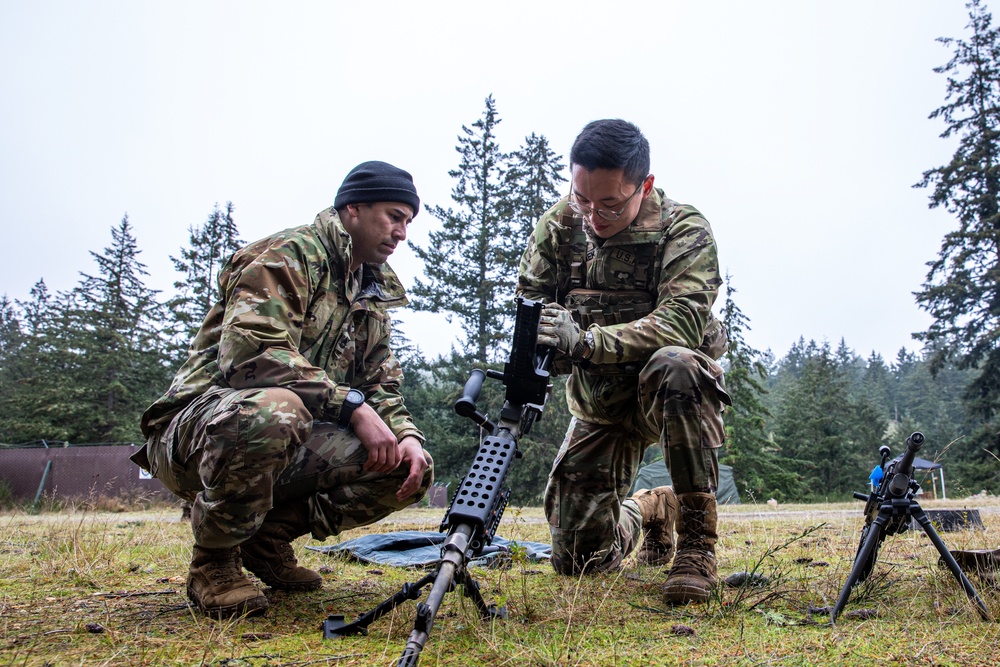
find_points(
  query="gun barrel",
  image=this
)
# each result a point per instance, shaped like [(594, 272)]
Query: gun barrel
[(903, 470)]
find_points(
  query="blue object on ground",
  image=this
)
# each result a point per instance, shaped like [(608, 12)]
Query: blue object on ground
[(414, 548)]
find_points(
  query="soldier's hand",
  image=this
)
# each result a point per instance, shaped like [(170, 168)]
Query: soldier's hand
[(412, 453), (383, 450), (557, 329)]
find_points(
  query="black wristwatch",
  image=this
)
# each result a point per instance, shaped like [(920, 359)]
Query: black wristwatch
[(354, 400)]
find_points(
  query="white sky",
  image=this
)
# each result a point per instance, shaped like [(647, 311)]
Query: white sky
[(796, 127)]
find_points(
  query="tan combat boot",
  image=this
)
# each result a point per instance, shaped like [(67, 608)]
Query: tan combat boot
[(217, 586), (270, 555), (693, 574), (659, 513)]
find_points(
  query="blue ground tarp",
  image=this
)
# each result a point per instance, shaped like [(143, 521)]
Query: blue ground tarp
[(414, 548)]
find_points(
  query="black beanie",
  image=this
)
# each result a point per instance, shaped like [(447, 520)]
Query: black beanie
[(376, 181)]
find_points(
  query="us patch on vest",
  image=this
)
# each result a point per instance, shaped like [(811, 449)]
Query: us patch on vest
[(622, 255)]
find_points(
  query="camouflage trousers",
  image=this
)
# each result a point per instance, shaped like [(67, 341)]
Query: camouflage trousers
[(678, 403), (237, 453)]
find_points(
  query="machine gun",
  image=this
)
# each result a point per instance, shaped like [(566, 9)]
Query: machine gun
[(480, 500), (890, 508)]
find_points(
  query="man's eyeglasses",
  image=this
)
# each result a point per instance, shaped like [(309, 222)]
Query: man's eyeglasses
[(587, 209)]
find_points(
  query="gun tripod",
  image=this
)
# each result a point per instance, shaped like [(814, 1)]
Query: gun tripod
[(889, 511), (450, 572)]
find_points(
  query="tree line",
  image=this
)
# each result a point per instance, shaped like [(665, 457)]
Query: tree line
[(82, 365)]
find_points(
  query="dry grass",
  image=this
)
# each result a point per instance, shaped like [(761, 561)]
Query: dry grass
[(104, 588)]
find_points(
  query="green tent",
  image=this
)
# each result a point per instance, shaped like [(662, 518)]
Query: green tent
[(655, 474)]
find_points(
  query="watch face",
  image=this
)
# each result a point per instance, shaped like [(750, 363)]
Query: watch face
[(352, 402)]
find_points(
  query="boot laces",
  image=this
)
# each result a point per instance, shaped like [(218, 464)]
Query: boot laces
[(691, 561), (285, 551), (226, 571)]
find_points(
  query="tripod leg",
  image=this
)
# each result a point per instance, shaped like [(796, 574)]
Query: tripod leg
[(867, 549), (336, 626), (925, 523), (471, 590)]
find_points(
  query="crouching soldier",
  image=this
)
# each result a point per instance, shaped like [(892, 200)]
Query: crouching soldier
[(287, 417)]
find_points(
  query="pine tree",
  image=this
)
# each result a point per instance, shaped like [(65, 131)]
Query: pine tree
[(39, 400), (962, 288), (406, 352), (11, 356), (468, 263), (209, 246), (535, 181), (818, 421), (120, 353), (758, 465), (876, 385)]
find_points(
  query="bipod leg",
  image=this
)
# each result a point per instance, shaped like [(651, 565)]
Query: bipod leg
[(334, 626), (925, 523), (867, 549), (470, 589)]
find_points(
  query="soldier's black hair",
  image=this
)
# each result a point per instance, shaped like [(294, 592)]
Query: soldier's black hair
[(612, 144)]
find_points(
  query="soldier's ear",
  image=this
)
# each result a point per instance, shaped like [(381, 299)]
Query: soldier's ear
[(648, 182), (349, 213)]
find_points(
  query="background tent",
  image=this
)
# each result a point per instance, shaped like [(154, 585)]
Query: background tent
[(655, 474), (936, 473)]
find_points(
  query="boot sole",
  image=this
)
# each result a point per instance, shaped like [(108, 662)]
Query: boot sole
[(253, 607)]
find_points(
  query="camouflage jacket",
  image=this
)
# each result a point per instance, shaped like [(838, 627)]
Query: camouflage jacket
[(668, 250), (290, 315)]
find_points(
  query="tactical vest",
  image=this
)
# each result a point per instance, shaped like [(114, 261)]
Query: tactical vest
[(637, 283), (637, 276)]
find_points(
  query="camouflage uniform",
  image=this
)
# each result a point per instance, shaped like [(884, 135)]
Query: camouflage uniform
[(646, 295), (292, 332)]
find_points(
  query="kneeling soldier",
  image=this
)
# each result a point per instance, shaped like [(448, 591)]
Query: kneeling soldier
[(629, 278)]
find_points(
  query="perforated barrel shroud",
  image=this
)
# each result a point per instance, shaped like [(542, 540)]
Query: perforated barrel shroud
[(482, 496)]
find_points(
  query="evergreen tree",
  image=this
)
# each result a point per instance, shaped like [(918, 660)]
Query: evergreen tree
[(39, 401), (962, 288), (11, 339), (469, 263), (115, 320), (535, 182), (876, 385), (758, 466), (11, 354), (786, 372), (209, 247), (820, 422), (406, 352), (932, 404)]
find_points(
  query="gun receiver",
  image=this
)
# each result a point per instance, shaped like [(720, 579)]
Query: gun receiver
[(480, 500)]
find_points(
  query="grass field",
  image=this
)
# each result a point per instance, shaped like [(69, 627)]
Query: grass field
[(107, 588)]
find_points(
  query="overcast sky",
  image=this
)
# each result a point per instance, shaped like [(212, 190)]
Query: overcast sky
[(797, 128)]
